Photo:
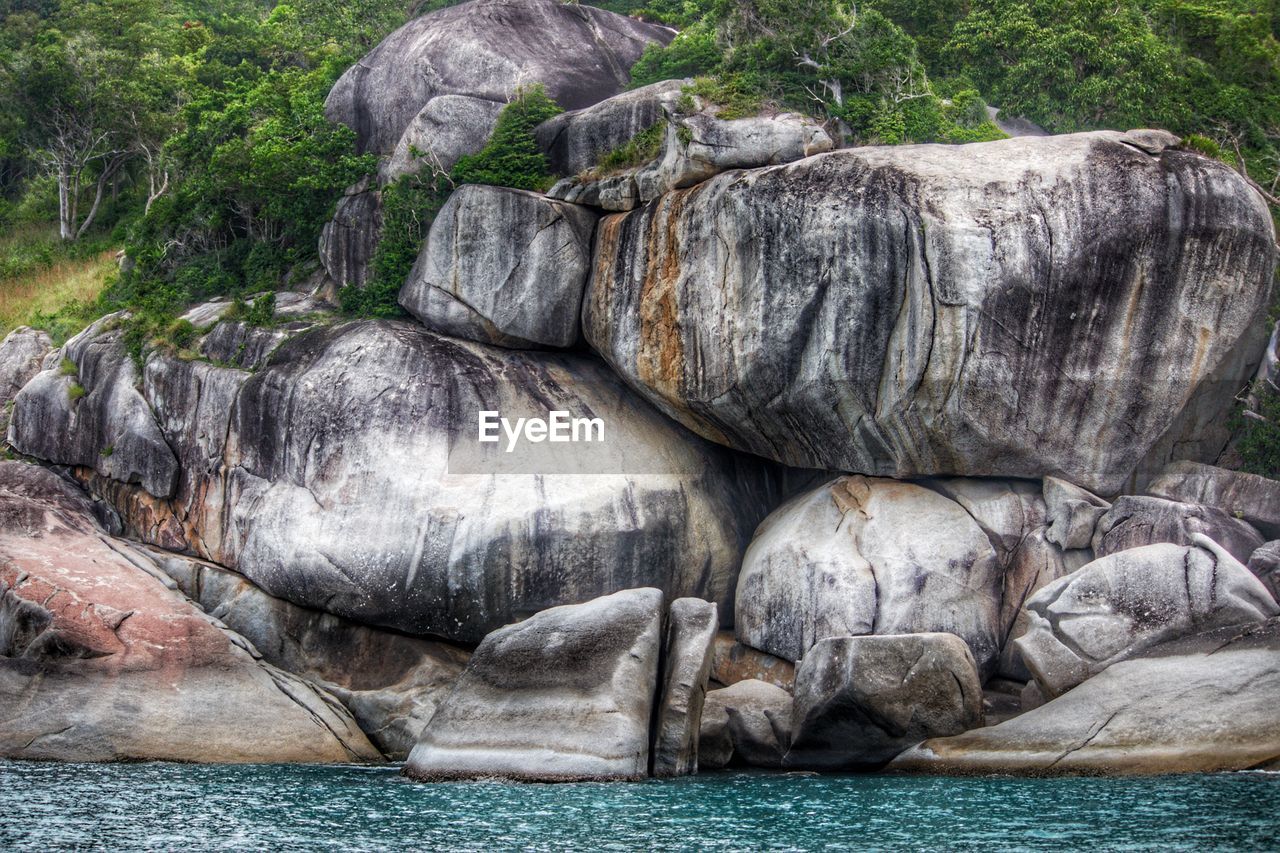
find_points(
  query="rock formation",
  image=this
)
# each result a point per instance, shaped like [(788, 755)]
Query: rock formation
[(1200, 704), (505, 267), (747, 723), (346, 475), (691, 633), (868, 556), (22, 355), (486, 49), (934, 310), (565, 695), (860, 701), (1246, 496), (1136, 520), (100, 661), (1117, 606)]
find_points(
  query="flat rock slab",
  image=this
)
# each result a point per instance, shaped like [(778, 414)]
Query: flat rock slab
[(564, 696), (1203, 704)]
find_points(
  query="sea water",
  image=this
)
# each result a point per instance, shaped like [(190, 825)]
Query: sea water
[(199, 807)]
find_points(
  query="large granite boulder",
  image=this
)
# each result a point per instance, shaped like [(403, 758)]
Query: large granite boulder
[(745, 724), (1134, 521), (937, 309), (88, 412), (485, 50), (1205, 703), (503, 266), (686, 668), (692, 147), (732, 662), (22, 354), (101, 661), (575, 141), (349, 240), (1117, 606), (390, 682), (1072, 513), (565, 695), (869, 556), (447, 129), (1249, 497), (346, 475), (860, 701)]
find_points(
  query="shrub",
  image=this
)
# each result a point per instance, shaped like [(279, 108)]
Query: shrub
[(642, 148), (512, 157), (75, 391), (68, 368)]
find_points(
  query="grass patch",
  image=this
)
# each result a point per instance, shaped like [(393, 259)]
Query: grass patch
[(59, 297), (75, 392), (642, 148)]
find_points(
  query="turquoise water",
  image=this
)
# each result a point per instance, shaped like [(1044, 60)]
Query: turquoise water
[(170, 806)]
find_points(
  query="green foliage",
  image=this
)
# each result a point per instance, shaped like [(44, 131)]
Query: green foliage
[(732, 95), (1258, 433), (260, 312), (693, 53), (75, 391), (107, 451), (408, 208), (512, 157), (68, 368), (642, 148)]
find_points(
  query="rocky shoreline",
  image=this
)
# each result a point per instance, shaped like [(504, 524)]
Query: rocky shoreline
[(917, 459)]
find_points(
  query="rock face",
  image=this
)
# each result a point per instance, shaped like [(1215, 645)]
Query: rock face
[(1117, 606), (935, 310), (349, 240), (1247, 496), (448, 128), (1135, 521), (485, 49), (565, 695), (747, 723), (1073, 513), (1201, 704), (99, 661), (89, 412), (390, 682), (575, 141), (346, 475), (862, 700), (691, 633), (868, 556), (505, 267), (21, 354)]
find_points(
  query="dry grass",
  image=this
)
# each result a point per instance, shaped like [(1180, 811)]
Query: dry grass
[(25, 298)]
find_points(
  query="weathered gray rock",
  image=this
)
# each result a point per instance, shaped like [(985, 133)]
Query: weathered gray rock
[(1013, 515), (1249, 497), (1265, 565), (700, 146), (1118, 606), (21, 354), (868, 556), (345, 475), (486, 49), (100, 661), (1073, 513), (1135, 521), (350, 239), (860, 701), (565, 695), (503, 266), (733, 662), (694, 147), (1201, 704), (390, 682), (747, 723), (691, 633), (934, 310), (94, 417), (575, 141), (447, 128)]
